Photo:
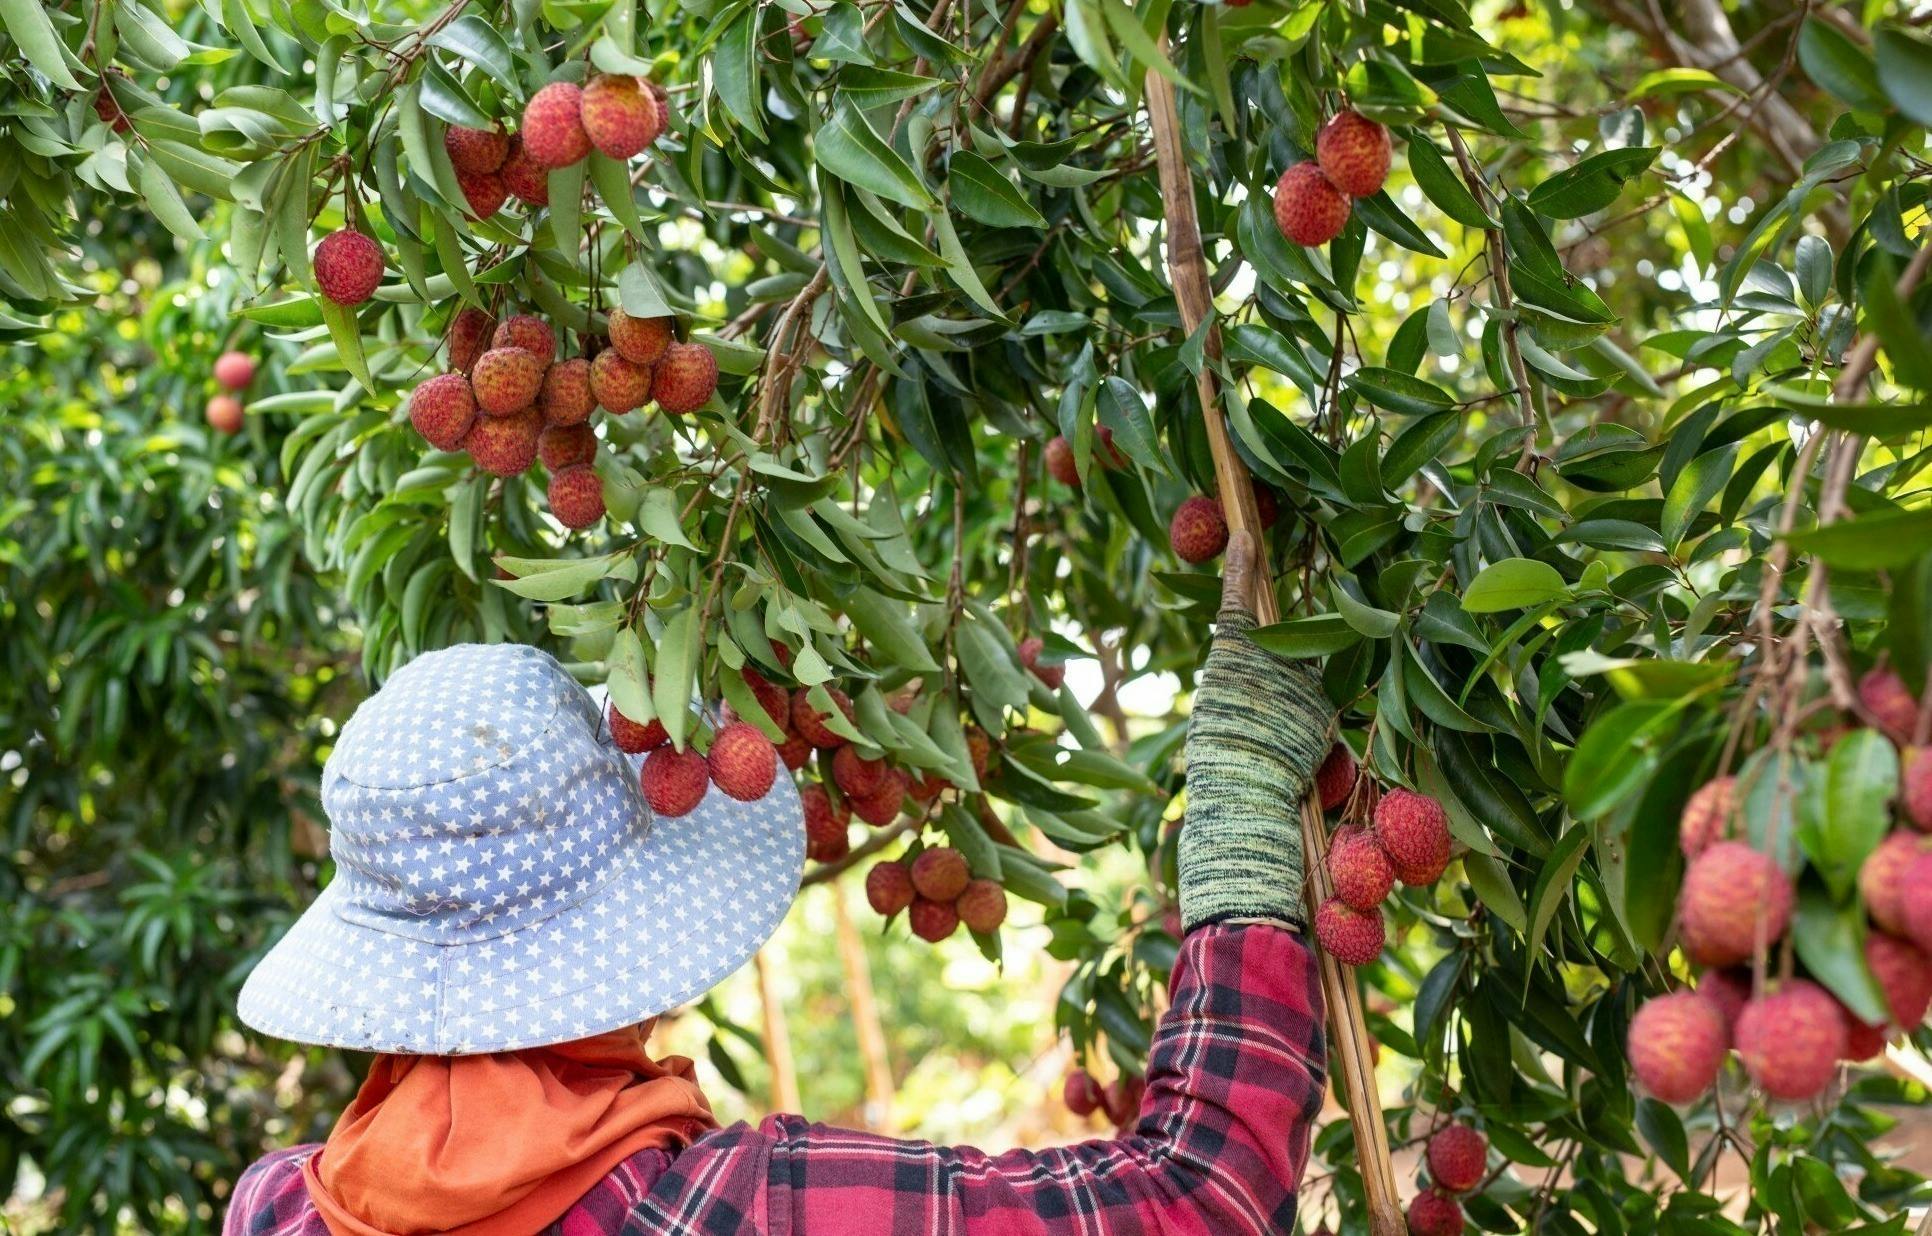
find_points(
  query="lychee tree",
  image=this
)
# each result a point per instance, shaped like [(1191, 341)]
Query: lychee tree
[(822, 363)]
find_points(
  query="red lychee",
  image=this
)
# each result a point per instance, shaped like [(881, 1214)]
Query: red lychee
[(234, 370), (743, 762), (683, 381), (1354, 153), (1081, 1093), (1414, 832), (532, 334), (1335, 779), (1880, 878), (1104, 449), (1905, 973), (823, 814), (1352, 937), (795, 751), (1884, 695), (979, 751), (809, 723), (1267, 508), (483, 192), (1915, 901), (940, 873), (888, 888), (1308, 209), (661, 119), (1726, 891), (928, 787), (553, 129), (674, 781), (856, 775), (619, 117), (348, 266), (1676, 1045), (633, 738), (771, 697), (1120, 1099), (826, 840), (1359, 870), (641, 341), (1198, 531), (1728, 989), (108, 110), (565, 398), (224, 414), (442, 410), (576, 495), (932, 921), (619, 385), (505, 445), (526, 179), (1707, 814), (982, 907), (506, 380), (881, 806), (1915, 788), (1862, 1042), (469, 338), (1791, 1040), (1458, 1157), (1060, 463), (1434, 1213), (1051, 675), (476, 150)]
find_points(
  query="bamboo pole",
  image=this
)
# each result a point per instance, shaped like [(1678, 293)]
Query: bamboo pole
[(778, 1040), (1349, 1040), (865, 1017)]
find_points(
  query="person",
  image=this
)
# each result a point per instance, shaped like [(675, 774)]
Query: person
[(506, 920)]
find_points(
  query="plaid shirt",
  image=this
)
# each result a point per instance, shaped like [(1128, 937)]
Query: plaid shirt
[(1235, 1080)]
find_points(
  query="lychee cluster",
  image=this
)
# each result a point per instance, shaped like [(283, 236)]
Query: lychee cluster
[(1351, 160), (1458, 1158), (233, 371), (1064, 468), (563, 122), (741, 762), (1119, 1100), (938, 891), (1408, 841)]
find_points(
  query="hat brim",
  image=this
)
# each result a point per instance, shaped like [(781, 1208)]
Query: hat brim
[(691, 899)]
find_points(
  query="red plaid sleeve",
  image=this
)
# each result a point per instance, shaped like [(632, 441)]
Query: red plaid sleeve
[(1234, 1084)]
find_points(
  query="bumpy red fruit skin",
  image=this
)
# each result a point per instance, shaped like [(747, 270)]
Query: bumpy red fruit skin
[(526, 179), (888, 888), (1081, 1093), (1267, 508), (683, 381), (565, 398), (505, 380), (532, 334), (224, 414), (553, 129), (674, 781), (1435, 1214), (1120, 1100), (1414, 832), (1051, 675), (1862, 1042), (576, 496), (469, 338), (856, 775), (348, 267), (771, 697), (979, 750), (633, 738), (1308, 209), (1352, 937), (1880, 876), (1915, 901), (881, 807), (661, 119), (1676, 1046), (505, 445), (1359, 870), (1354, 153), (641, 341), (826, 840), (822, 810), (442, 410), (476, 150), (618, 116), (932, 921), (928, 787), (1726, 890), (940, 873), (1060, 464), (1335, 779), (234, 370), (1905, 973), (1885, 696), (1458, 1158), (743, 762), (1915, 789), (1707, 815), (809, 723), (1728, 990), (795, 751), (1791, 1040), (619, 385), (982, 906), (1198, 531), (483, 192)]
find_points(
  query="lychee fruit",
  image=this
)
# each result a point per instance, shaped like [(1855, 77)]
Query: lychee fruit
[(635, 739), (932, 921), (619, 385), (809, 723), (565, 399), (505, 445), (940, 873), (1728, 989), (1105, 451), (108, 110), (826, 840), (743, 761), (888, 887), (506, 380), (1707, 814), (822, 812), (1120, 1099), (771, 697), (1880, 879), (979, 751), (982, 907), (1792, 1039), (1060, 464), (469, 338), (532, 334), (1414, 832), (1309, 209), (641, 341), (1884, 695), (661, 118), (348, 266), (224, 414), (855, 775), (1862, 1042), (674, 781), (1676, 1045), (483, 192), (1081, 1093), (1354, 153), (526, 179), (795, 751), (1905, 973), (476, 151), (1727, 890), (1335, 779), (1434, 1213), (234, 370), (618, 116), (1051, 675), (1267, 508), (683, 381), (881, 806), (1915, 901), (442, 410), (553, 129), (1458, 1157), (1359, 870), (1352, 937), (1198, 531), (1915, 788), (576, 495)]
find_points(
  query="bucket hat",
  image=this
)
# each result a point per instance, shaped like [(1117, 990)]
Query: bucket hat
[(500, 882)]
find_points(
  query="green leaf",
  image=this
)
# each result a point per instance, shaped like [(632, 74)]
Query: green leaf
[(1134, 37), (679, 649), (165, 201), (1396, 391), (1905, 70), (867, 88), (981, 192), (1553, 883), (33, 34), (849, 148), (1831, 942), (734, 71), (1870, 542), (1443, 186), (347, 334), (1861, 779), (1701, 480), (628, 683), (1513, 583), (1663, 82), (884, 623), (1591, 184), (478, 42), (1316, 636), (1841, 66), (540, 579)]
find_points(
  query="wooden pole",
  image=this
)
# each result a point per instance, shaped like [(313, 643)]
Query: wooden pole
[(1349, 1039), (778, 1040), (865, 1018)]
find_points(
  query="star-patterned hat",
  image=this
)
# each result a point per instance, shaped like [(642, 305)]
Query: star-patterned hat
[(500, 882)]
